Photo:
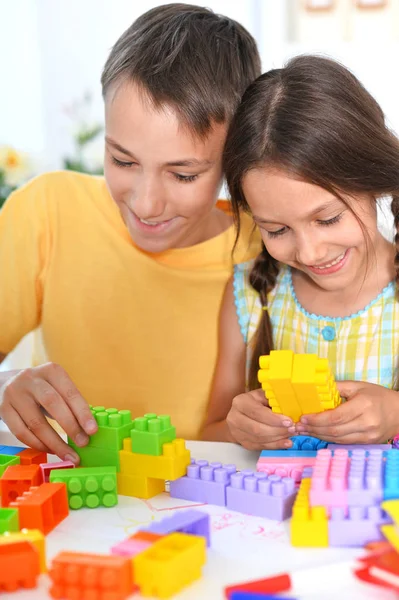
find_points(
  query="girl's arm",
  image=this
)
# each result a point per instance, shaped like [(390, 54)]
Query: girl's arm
[(229, 378)]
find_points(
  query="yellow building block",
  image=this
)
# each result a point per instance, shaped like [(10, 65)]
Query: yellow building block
[(140, 486), (169, 564), (275, 376), (297, 384), (309, 524), (170, 465), (391, 532), (35, 536)]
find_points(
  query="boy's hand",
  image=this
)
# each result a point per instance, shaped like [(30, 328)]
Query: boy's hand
[(255, 426), (24, 396), (370, 416)]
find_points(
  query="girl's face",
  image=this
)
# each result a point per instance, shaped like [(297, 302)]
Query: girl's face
[(306, 227), (164, 180)]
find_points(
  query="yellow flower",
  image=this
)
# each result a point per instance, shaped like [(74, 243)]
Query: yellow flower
[(14, 165)]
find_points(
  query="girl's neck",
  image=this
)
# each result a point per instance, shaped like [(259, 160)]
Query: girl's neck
[(355, 297)]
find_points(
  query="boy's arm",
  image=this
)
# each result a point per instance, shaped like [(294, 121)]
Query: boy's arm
[(229, 378)]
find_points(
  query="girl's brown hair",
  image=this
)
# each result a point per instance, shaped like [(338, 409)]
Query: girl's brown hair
[(315, 120)]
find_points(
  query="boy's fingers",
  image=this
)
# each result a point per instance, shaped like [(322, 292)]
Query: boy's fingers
[(20, 430), (46, 396), (41, 429), (61, 382)]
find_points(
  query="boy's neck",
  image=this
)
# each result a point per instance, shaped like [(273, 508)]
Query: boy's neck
[(348, 301)]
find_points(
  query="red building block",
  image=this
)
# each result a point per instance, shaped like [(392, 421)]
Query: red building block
[(32, 457), (78, 576), (16, 480), (42, 507), (19, 566)]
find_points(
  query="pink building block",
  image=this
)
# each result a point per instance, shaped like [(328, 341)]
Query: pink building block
[(292, 467), (130, 547), (203, 482), (359, 527), (329, 479), (261, 495), (46, 468)]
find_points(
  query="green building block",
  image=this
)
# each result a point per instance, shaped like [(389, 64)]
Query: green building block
[(113, 426), (6, 460), (9, 519), (90, 456), (91, 487), (150, 433)]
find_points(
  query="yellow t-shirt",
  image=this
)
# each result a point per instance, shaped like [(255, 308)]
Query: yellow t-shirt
[(133, 330)]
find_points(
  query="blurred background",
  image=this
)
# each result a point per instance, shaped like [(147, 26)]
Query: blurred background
[(52, 53)]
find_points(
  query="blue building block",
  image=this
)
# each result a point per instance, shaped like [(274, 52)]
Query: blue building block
[(193, 522), (307, 442), (283, 454), (11, 450), (255, 596), (391, 484)]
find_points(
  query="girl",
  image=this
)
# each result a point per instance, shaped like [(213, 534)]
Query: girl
[(308, 156)]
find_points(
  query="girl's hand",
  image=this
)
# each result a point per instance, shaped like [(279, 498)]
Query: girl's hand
[(24, 396), (254, 426), (370, 416)]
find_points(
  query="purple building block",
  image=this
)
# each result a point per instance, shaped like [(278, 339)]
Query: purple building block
[(194, 522), (261, 495), (367, 447), (203, 482), (365, 477), (360, 527), (256, 596)]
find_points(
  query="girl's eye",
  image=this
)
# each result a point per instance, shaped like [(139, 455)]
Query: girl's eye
[(185, 178), (274, 234), (121, 163), (331, 221)]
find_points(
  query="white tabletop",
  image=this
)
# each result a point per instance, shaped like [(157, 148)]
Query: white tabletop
[(242, 547)]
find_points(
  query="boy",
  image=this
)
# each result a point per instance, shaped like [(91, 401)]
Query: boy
[(125, 275)]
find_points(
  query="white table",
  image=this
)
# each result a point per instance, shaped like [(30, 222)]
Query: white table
[(243, 547)]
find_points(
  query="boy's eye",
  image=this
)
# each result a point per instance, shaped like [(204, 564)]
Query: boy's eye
[(121, 163), (185, 178)]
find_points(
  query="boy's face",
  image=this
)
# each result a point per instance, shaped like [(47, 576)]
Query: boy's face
[(164, 180)]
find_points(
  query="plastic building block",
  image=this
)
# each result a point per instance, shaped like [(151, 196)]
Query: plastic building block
[(360, 527), (90, 486), (171, 465), (391, 531), (16, 480), (309, 525), (29, 456), (113, 426), (46, 468), (269, 585), (284, 454), (139, 487), (79, 576), (11, 450), (6, 460), (292, 467), (34, 536), (9, 520), (338, 480), (169, 565), (203, 482), (150, 433), (297, 384), (91, 456), (194, 522), (391, 488), (367, 447), (261, 495), (19, 566), (307, 442), (251, 596), (42, 507), (135, 544)]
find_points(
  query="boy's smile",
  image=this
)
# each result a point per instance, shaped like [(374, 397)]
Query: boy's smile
[(164, 179)]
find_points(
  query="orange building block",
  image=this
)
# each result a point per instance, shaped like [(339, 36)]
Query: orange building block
[(83, 576), (42, 507), (146, 536), (19, 566), (32, 457), (16, 480)]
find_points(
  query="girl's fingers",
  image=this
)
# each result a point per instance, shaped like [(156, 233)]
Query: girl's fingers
[(20, 430), (37, 424)]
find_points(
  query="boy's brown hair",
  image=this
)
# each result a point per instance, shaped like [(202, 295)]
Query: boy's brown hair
[(186, 57)]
